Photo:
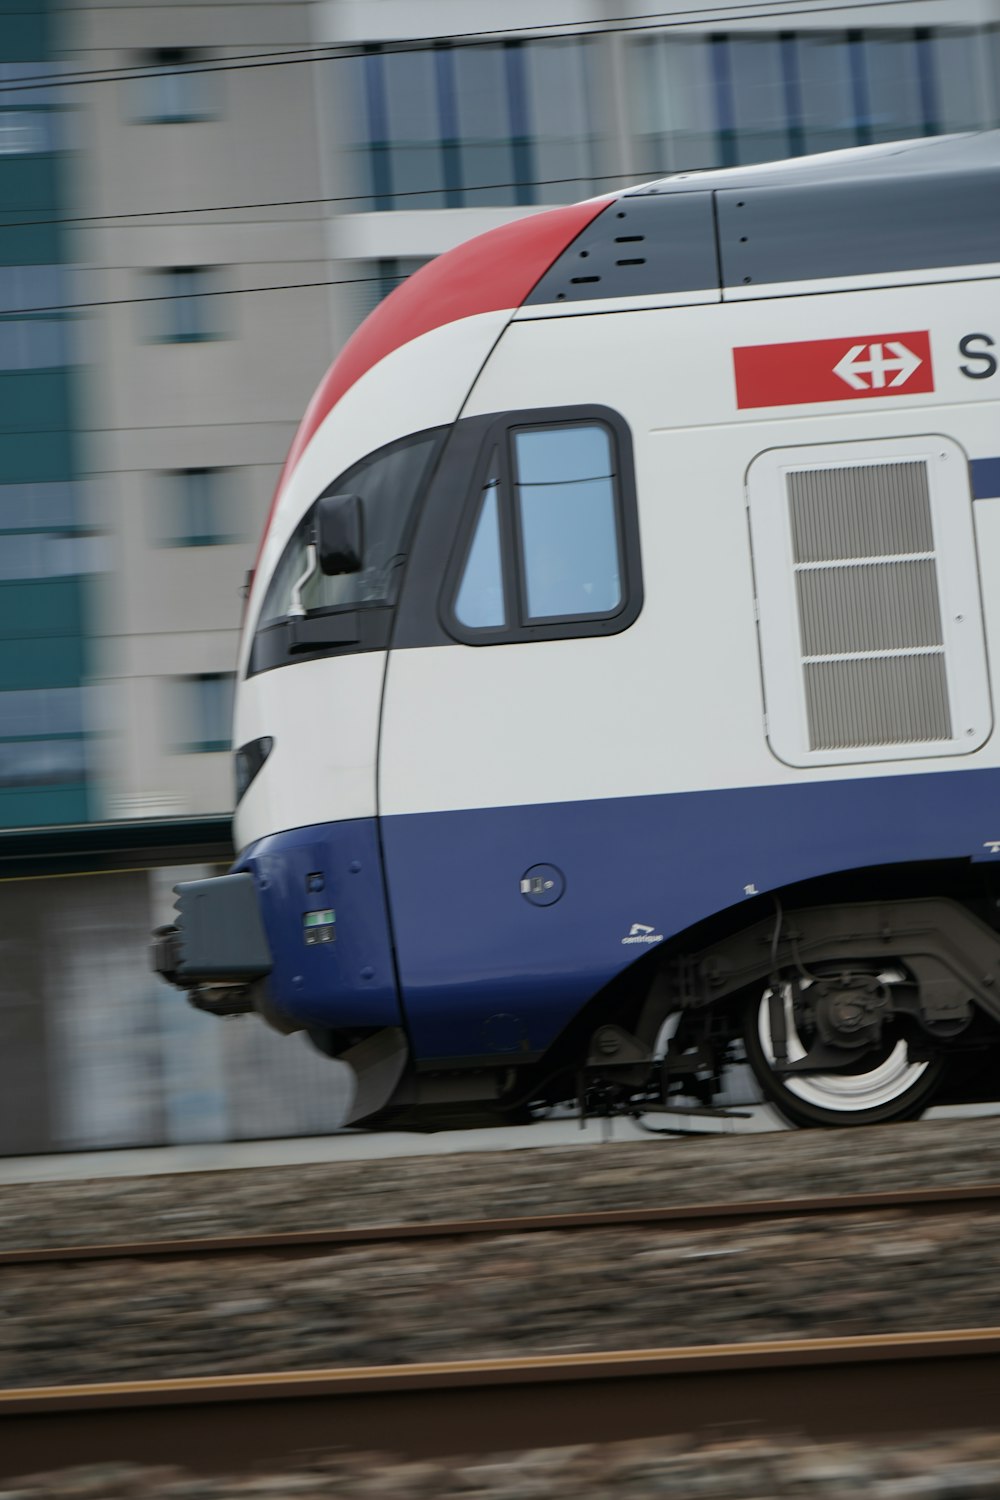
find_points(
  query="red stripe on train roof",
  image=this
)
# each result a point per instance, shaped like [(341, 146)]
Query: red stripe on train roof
[(490, 272)]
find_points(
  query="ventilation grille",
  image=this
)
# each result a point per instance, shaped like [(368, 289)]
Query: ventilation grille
[(868, 606), (861, 510)]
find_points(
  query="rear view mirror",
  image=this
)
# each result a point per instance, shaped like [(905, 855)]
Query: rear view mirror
[(340, 534)]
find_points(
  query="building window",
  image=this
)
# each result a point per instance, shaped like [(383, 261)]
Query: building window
[(42, 737), (725, 100), (550, 545), (23, 133), (50, 554), (171, 88), (825, 94), (42, 762), (964, 65), (195, 508), (561, 87), (36, 343), (43, 533), (40, 507), (204, 712), (184, 304), (462, 127), (26, 288)]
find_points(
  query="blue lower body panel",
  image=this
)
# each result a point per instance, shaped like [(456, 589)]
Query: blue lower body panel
[(322, 899), (487, 968)]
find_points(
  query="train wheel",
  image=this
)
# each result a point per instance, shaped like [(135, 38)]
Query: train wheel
[(884, 1084)]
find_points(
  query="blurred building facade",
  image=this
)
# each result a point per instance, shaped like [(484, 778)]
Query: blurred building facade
[(200, 203), (46, 553), (186, 386), (442, 141)]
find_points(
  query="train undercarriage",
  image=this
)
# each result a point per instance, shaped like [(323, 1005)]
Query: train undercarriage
[(847, 1012)]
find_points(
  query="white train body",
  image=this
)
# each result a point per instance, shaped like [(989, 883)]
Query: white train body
[(679, 617)]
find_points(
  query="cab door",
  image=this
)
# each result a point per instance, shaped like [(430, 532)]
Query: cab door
[(496, 734)]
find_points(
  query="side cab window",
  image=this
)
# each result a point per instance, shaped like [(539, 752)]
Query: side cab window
[(549, 543), (307, 614), (387, 483)]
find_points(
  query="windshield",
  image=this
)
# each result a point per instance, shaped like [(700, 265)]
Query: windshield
[(388, 483)]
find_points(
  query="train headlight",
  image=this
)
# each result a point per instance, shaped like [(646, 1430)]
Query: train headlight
[(248, 760)]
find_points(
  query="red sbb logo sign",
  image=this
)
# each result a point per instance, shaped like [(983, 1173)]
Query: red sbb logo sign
[(851, 369)]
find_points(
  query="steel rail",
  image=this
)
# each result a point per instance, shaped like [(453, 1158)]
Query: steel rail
[(981, 1197), (893, 1384)]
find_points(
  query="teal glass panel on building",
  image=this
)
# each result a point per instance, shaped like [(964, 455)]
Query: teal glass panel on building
[(34, 401), (24, 30), (45, 555)]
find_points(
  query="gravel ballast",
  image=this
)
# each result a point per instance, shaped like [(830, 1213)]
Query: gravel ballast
[(514, 1294), (758, 1468), (712, 1168), (505, 1295)]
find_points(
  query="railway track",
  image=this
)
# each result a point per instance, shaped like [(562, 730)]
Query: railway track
[(888, 1385), (983, 1197), (896, 1384)]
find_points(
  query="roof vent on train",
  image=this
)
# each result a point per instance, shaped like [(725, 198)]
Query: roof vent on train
[(637, 247)]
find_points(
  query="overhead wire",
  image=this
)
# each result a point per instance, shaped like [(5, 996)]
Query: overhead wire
[(234, 291), (213, 208), (337, 52), (281, 287), (381, 277)]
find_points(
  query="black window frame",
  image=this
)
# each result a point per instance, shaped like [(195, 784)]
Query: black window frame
[(349, 628), (498, 443)]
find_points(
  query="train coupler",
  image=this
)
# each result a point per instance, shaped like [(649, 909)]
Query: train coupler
[(216, 949)]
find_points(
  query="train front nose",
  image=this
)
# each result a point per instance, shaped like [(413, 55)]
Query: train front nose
[(298, 931), (328, 970)]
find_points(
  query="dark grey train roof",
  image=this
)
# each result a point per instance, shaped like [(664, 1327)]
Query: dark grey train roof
[(893, 159), (904, 207)]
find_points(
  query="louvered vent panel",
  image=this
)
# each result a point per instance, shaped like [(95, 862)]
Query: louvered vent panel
[(884, 700), (860, 510), (884, 606), (869, 613)]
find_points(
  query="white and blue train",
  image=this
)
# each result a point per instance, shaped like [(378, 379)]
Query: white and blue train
[(615, 696)]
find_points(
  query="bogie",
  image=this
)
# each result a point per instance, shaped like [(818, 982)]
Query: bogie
[(882, 1079)]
